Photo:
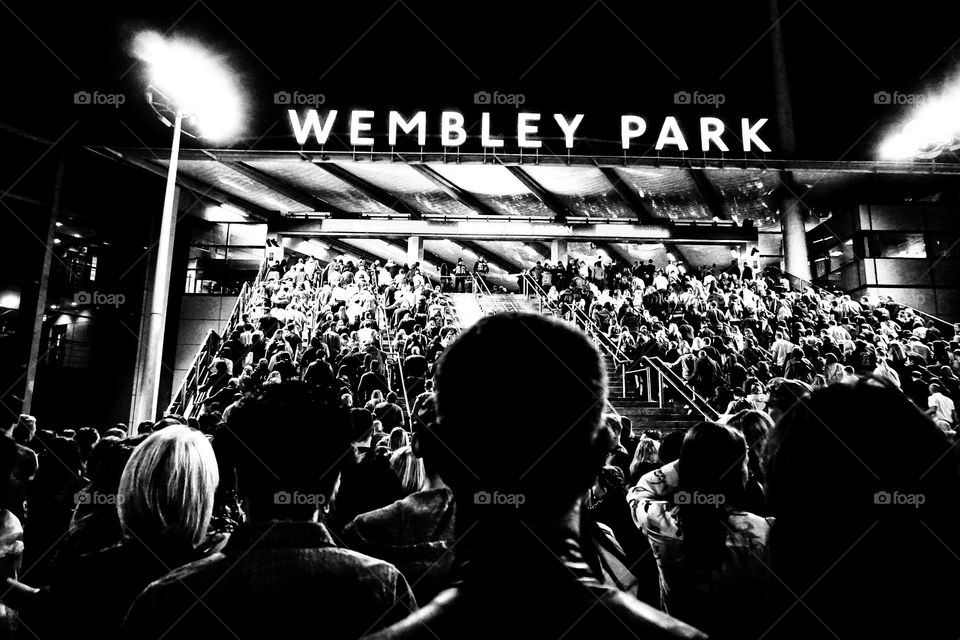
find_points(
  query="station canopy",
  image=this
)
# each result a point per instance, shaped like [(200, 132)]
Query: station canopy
[(508, 208)]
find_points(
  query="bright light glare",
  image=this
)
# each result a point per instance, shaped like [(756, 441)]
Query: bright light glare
[(933, 126), (196, 81), (224, 213)]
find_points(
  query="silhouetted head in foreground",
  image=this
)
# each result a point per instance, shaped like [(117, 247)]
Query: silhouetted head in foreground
[(865, 489), (513, 456)]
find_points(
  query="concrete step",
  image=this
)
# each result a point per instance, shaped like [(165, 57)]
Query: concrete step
[(468, 311)]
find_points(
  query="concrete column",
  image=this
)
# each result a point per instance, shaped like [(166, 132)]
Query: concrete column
[(795, 259), (41, 308), (414, 250), (558, 251)]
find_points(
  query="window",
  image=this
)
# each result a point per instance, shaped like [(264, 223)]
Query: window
[(223, 256), (829, 254), (894, 244)]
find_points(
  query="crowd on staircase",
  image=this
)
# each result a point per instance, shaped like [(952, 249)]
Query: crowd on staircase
[(347, 467)]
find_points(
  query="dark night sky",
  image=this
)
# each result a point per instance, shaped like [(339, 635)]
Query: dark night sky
[(595, 57)]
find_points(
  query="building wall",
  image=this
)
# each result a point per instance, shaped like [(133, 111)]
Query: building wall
[(199, 314), (906, 251)]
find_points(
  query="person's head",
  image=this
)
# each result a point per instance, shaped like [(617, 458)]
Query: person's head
[(288, 445), (361, 425), (784, 394), (398, 438), (86, 438), (755, 427), (167, 487), (712, 473), (25, 429), (884, 498), (392, 397), (669, 449), (550, 478), (409, 469), (645, 454), (104, 469)]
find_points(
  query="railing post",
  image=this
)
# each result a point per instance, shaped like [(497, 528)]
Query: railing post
[(623, 380), (649, 383), (660, 389)]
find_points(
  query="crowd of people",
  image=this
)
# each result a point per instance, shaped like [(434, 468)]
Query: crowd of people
[(303, 495), (733, 335)]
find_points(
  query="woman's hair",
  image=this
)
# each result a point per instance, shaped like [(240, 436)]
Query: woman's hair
[(646, 453), (167, 487), (409, 469), (398, 438), (755, 427), (712, 478)]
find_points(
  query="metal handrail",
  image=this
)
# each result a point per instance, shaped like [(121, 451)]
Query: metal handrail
[(480, 289), (392, 353), (182, 400), (689, 395)]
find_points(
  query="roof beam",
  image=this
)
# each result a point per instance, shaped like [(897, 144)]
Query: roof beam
[(879, 167), (465, 198), (674, 249), (548, 198), (287, 190), (708, 193), (522, 230), (541, 248), (640, 209), (348, 248), (201, 189), (614, 252), (369, 189)]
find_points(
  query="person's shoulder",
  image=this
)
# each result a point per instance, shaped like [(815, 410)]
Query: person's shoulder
[(187, 573)]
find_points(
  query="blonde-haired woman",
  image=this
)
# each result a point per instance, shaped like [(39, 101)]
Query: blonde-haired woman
[(409, 469), (165, 502)]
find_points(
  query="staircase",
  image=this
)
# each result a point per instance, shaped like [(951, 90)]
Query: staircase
[(467, 308), (645, 414), (501, 302)]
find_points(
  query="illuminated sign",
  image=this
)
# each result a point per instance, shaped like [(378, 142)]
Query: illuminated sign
[(452, 129)]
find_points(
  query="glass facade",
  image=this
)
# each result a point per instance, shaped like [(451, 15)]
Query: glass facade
[(224, 255), (907, 250)]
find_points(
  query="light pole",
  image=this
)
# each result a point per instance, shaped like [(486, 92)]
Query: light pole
[(154, 325), (195, 87)]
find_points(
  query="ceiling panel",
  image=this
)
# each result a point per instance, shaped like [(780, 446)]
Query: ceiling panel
[(584, 190), (669, 193), (496, 187), (223, 177), (410, 186), (744, 193), (310, 178)]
